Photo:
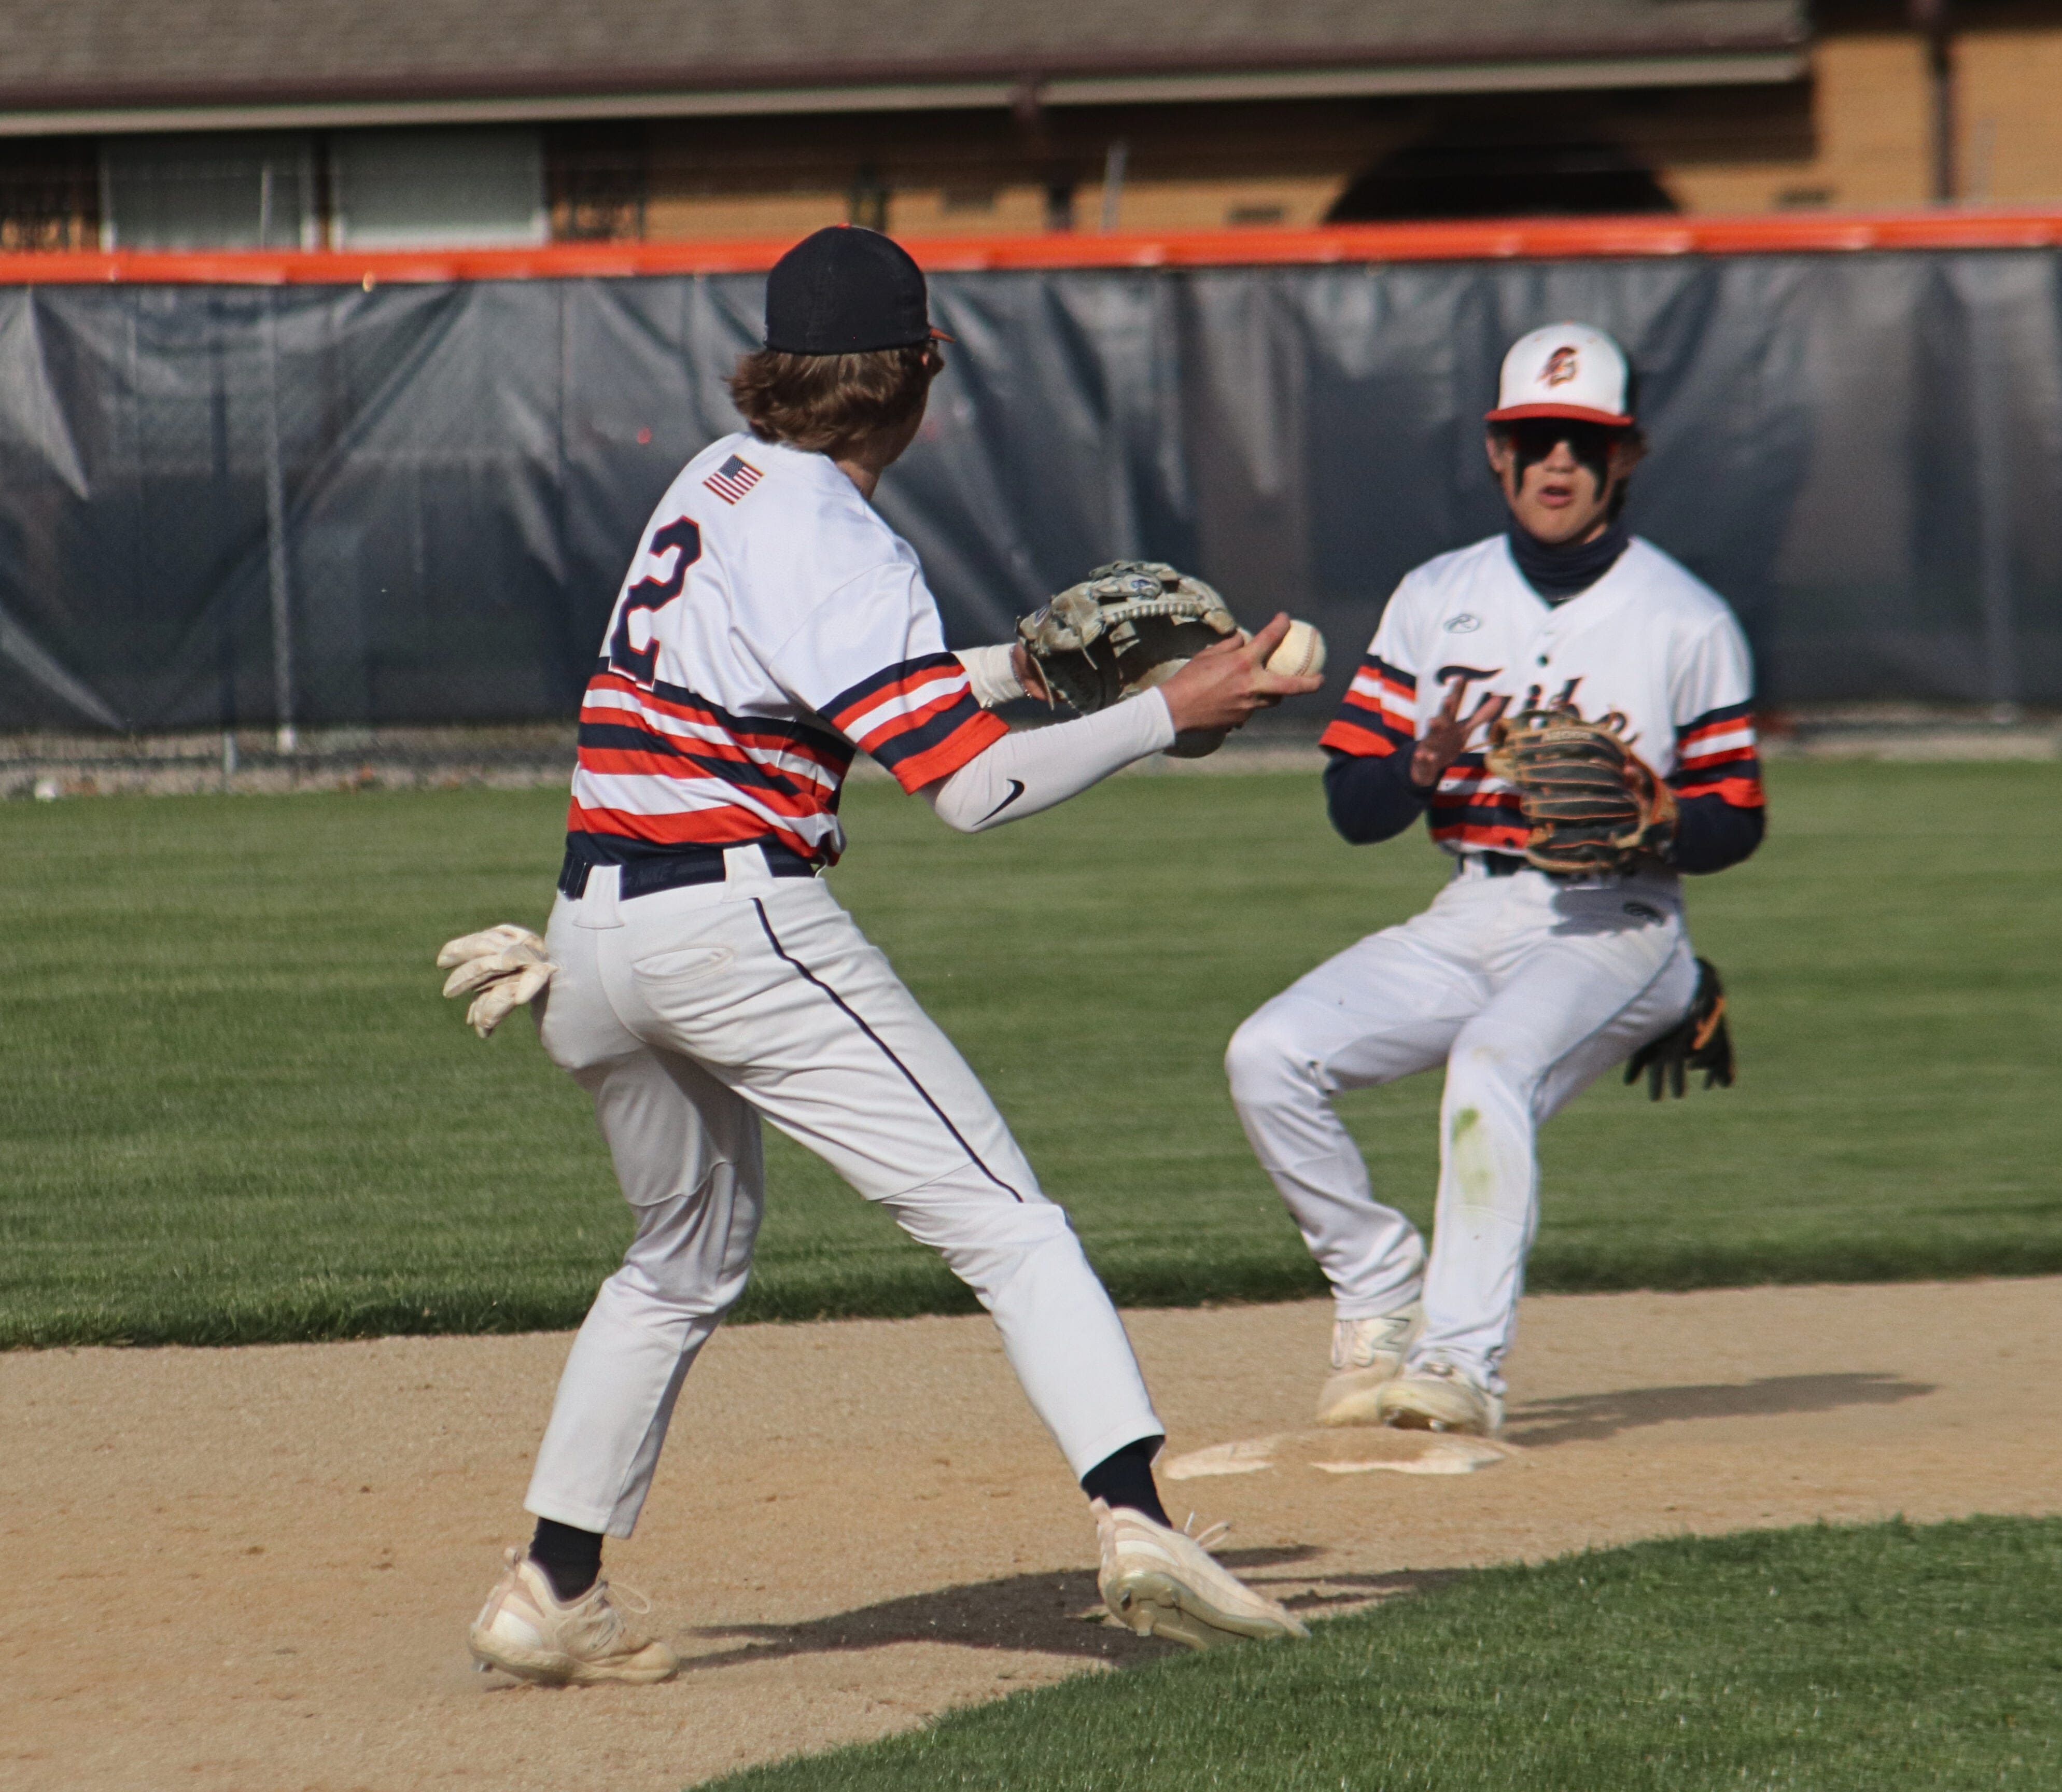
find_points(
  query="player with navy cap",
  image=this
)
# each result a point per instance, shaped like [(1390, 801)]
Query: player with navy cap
[(1525, 986), (698, 976)]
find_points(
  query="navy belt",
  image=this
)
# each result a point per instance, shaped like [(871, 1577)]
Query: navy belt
[(1509, 864), (677, 869)]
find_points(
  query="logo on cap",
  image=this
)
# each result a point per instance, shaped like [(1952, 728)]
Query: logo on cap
[(1566, 370)]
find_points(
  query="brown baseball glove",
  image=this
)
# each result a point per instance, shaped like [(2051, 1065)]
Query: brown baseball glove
[(1594, 806), (1126, 627)]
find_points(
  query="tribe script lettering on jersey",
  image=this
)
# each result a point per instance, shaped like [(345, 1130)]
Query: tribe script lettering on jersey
[(1649, 640), (770, 626)]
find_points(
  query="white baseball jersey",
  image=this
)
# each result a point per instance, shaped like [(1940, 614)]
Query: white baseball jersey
[(770, 624), (1649, 640)]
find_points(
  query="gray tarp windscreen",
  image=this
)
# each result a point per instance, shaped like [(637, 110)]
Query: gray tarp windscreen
[(436, 489)]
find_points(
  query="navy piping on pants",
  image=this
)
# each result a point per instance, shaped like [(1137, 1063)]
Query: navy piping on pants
[(808, 976)]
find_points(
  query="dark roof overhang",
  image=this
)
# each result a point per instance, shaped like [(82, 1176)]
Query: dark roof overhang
[(1110, 77)]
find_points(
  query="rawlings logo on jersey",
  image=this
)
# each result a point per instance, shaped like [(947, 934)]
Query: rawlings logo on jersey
[(1464, 623)]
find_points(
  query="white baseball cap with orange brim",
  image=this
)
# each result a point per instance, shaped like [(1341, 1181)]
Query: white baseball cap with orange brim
[(1566, 369)]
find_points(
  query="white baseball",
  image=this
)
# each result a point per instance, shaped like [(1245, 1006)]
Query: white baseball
[(1302, 652)]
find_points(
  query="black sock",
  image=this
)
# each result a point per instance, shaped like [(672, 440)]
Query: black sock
[(1126, 1478), (570, 1558)]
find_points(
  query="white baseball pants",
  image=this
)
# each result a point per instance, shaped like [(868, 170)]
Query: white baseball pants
[(1527, 989), (688, 1013)]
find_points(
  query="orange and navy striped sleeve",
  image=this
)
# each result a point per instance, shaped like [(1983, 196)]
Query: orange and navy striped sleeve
[(1716, 755), (1379, 715), (1720, 814), (918, 718)]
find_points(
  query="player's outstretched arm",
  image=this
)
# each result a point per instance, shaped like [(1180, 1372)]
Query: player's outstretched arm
[(1223, 687)]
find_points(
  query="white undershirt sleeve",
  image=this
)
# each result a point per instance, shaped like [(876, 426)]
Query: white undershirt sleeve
[(992, 674), (1033, 768)]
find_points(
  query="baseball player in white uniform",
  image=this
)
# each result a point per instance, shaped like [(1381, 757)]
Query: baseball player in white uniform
[(701, 976), (1526, 987)]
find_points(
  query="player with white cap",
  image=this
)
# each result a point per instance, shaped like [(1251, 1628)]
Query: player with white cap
[(1526, 983)]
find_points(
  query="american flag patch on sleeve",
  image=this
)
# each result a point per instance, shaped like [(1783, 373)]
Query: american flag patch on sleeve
[(733, 479)]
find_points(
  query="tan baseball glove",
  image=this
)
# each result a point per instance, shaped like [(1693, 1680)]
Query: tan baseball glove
[(501, 969), (1126, 627), (1594, 806)]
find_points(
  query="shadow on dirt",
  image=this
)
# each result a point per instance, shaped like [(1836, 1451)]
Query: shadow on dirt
[(1058, 1613), (1584, 1418)]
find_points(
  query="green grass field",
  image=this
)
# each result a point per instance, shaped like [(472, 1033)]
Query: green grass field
[(1831, 1660), (233, 1108)]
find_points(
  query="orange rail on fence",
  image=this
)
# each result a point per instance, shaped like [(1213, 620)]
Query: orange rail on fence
[(1525, 239)]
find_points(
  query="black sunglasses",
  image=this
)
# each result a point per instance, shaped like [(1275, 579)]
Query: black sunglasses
[(1533, 439)]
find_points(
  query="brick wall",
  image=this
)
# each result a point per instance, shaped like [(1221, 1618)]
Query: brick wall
[(1856, 135)]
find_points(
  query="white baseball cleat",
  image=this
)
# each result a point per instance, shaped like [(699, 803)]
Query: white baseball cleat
[(1366, 1354), (1161, 1582), (1436, 1396), (523, 1629)]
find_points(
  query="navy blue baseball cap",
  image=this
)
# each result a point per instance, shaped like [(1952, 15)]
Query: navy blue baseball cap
[(847, 290)]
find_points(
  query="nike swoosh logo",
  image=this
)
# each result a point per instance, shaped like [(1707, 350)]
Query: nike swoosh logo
[(1015, 790)]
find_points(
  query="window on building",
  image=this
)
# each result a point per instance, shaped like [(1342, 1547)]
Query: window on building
[(1515, 170), (50, 193), (254, 191), (438, 188), (597, 181)]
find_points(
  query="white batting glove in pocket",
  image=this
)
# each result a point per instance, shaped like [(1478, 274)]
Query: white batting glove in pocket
[(501, 969)]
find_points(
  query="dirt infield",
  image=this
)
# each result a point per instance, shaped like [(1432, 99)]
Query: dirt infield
[(253, 1568)]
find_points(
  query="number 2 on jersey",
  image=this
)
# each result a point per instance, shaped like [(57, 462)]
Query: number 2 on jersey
[(653, 594)]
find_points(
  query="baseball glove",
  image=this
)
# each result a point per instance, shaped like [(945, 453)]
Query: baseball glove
[(501, 969), (1699, 1042), (1594, 804), (1126, 627)]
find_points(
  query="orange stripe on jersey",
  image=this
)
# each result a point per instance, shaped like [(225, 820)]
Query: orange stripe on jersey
[(1344, 736), (1464, 814), (1373, 691), (1688, 738), (612, 699), (1742, 793), (1478, 834), (1729, 755), (615, 762), (724, 826), (1380, 697), (1377, 714), (1462, 776), (967, 742), (915, 707)]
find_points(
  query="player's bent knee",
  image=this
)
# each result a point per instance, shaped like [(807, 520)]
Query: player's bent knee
[(693, 1251), (683, 1289), (1263, 1064)]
